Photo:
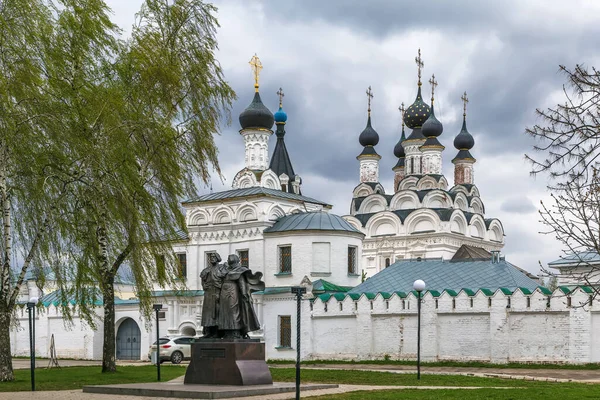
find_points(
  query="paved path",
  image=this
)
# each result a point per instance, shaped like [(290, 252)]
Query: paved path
[(559, 375)]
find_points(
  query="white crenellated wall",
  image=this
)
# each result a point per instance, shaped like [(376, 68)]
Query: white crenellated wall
[(365, 328), (72, 340)]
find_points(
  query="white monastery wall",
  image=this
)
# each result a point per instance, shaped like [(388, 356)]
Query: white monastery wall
[(75, 339), (463, 328)]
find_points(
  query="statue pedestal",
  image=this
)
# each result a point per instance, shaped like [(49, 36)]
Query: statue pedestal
[(228, 362)]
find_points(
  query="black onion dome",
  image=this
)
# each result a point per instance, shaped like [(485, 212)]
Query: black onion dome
[(398, 148), (416, 114), (432, 127), (368, 137), (256, 115), (464, 140)]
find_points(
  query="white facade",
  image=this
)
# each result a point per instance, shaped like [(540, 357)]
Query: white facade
[(422, 219)]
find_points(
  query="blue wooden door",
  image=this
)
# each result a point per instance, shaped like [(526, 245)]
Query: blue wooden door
[(128, 341)]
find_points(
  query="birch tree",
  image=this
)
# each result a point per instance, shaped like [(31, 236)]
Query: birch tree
[(123, 129), (22, 26), (138, 120)]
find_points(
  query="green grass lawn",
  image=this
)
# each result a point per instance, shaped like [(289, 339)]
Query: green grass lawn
[(472, 364), (69, 378), (518, 389), (548, 393)]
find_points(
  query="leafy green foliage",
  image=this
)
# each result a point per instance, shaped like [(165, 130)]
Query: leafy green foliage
[(110, 135)]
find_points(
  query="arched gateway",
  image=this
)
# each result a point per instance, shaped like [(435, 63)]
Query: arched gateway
[(128, 340)]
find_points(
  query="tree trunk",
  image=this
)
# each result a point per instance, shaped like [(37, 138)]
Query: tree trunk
[(108, 348), (6, 369)]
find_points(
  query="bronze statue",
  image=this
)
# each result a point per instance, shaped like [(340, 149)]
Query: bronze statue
[(212, 280), (232, 315)]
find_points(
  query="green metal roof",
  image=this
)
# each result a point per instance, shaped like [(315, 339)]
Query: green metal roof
[(253, 191), (321, 285), (339, 296), (59, 297), (442, 275), (307, 221)]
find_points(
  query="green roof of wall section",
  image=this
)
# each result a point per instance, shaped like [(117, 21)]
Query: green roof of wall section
[(442, 275), (311, 221), (321, 285), (59, 297), (253, 191)]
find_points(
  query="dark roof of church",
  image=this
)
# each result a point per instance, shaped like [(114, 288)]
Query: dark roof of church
[(307, 221), (281, 163), (255, 191), (442, 275)]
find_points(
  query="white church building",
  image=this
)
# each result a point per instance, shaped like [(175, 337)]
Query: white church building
[(358, 268)]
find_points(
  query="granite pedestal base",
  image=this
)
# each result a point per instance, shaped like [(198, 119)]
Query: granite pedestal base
[(228, 362)]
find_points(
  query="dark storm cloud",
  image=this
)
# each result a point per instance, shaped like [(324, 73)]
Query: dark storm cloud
[(504, 86), (324, 54)]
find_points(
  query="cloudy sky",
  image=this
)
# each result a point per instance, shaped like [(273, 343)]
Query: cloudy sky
[(324, 54)]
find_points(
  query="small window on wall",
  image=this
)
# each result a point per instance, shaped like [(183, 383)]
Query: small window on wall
[(285, 259), (244, 260), (285, 331), (352, 267), (182, 260), (387, 262)]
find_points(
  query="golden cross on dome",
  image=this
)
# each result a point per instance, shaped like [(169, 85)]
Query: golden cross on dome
[(401, 108), (280, 94), (256, 66), (433, 84), (465, 100), (420, 64), (369, 97)]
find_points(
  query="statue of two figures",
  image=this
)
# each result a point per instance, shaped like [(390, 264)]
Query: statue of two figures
[(227, 310)]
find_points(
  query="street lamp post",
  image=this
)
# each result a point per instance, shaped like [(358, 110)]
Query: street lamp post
[(157, 308), (298, 291), (31, 311), (419, 286)]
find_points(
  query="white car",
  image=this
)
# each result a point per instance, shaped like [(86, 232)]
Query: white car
[(174, 349)]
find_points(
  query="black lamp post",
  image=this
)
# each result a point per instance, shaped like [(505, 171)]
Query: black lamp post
[(298, 291), (419, 286), (31, 311), (157, 308)]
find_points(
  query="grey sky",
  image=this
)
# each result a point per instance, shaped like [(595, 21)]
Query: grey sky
[(326, 53)]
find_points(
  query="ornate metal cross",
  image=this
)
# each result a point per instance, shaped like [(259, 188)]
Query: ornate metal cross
[(401, 108), (281, 95), (369, 97), (256, 66), (465, 100), (420, 64), (433, 84)]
